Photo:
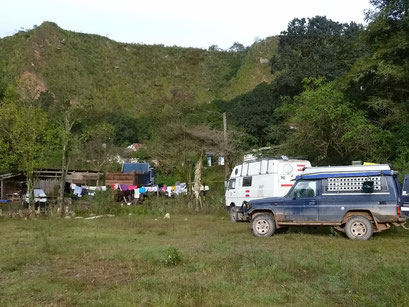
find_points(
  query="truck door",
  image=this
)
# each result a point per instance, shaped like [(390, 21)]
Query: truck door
[(405, 196), (231, 193), (302, 203)]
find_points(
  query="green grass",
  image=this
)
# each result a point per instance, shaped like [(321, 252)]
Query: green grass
[(124, 261)]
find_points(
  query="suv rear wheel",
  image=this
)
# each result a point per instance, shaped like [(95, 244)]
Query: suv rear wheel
[(263, 225), (359, 228)]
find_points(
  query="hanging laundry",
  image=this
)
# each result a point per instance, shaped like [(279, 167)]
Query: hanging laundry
[(78, 191)]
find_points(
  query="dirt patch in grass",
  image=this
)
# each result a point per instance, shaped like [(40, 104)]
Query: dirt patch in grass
[(93, 274)]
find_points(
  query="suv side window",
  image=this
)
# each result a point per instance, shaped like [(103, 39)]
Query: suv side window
[(247, 181), (304, 189), (232, 184), (405, 186)]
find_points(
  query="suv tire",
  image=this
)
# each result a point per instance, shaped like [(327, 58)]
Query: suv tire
[(234, 216), (359, 228), (263, 225)]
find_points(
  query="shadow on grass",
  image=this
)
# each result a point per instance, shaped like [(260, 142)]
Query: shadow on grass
[(311, 230)]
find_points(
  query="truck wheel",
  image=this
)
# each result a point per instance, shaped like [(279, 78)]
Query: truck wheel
[(359, 228), (234, 215), (263, 225)]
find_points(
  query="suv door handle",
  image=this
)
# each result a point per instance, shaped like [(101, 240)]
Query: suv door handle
[(381, 202), (312, 202)]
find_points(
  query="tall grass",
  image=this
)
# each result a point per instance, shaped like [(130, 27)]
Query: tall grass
[(104, 203)]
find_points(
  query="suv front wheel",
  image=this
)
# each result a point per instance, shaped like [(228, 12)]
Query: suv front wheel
[(263, 225), (359, 228), (234, 215)]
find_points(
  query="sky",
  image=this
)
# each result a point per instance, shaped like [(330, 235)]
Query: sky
[(184, 23)]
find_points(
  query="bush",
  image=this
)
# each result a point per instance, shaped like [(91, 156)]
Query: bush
[(173, 256)]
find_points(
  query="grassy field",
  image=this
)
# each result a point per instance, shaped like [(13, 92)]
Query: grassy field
[(195, 260)]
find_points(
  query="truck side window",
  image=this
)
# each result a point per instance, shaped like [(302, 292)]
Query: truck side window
[(304, 189), (232, 184), (247, 181)]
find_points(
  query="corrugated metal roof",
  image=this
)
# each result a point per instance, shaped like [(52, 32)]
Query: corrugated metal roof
[(7, 176)]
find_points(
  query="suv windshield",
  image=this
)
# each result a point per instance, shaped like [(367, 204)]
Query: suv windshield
[(303, 189)]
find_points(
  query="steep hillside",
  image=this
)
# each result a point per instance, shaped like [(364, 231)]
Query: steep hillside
[(254, 69), (128, 76)]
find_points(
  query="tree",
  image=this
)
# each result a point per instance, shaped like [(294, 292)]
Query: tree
[(180, 140), (378, 82), (328, 129), (31, 139), (99, 149), (69, 104), (254, 112), (314, 47)]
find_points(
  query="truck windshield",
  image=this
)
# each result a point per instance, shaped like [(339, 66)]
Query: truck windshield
[(303, 189), (232, 184)]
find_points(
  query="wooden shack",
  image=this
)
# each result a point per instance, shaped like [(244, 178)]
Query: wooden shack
[(12, 186)]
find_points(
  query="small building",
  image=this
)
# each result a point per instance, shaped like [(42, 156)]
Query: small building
[(13, 186), (213, 159)]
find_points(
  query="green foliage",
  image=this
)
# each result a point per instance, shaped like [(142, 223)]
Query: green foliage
[(95, 94), (173, 256), (8, 162), (316, 47), (327, 128), (28, 137), (129, 129), (378, 83), (254, 112)]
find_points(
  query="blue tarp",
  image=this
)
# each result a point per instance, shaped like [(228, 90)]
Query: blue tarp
[(141, 168), (337, 175)]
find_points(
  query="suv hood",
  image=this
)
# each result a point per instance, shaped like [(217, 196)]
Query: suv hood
[(265, 200)]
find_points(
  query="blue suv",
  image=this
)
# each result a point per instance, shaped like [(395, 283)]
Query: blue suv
[(358, 200)]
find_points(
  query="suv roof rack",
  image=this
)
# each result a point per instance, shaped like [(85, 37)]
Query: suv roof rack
[(345, 169)]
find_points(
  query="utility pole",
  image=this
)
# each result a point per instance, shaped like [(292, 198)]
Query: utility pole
[(226, 168)]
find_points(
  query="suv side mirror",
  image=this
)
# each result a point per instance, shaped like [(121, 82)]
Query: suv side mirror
[(367, 187)]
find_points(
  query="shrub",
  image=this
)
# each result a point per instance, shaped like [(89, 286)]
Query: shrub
[(173, 256)]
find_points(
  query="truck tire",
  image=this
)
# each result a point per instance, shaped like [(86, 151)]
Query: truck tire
[(359, 228), (234, 215), (263, 225)]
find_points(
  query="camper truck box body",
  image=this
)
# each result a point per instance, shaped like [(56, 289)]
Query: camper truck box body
[(262, 178)]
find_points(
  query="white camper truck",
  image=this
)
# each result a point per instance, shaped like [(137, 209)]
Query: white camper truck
[(262, 178)]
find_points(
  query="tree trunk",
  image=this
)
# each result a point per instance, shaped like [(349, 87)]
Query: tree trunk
[(189, 186), (68, 123), (197, 183), (63, 177), (30, 190)]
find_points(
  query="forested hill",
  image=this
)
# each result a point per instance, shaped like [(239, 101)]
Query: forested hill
[(129, 76), (327, 91)]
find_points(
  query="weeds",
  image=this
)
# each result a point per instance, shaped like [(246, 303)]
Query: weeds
[(173, 256)]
